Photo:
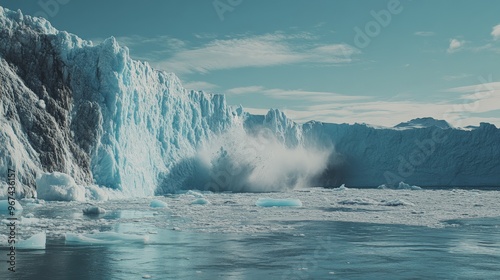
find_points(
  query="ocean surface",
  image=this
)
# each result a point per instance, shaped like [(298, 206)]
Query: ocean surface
[(231, 238)]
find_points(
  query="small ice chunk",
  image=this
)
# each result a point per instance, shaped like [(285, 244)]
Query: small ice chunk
[(405, 186), (146, 276), (41, 104), (35, 242), (94, 210), (28, 221), (341, 188), (104, 238), (194, 193), (4, 206), (201, 201), (59, 187), (158, 204), (270, 202)]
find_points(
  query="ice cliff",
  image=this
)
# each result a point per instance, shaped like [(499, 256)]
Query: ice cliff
[(93, 113)]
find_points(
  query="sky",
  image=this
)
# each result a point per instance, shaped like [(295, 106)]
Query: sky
[(378, 62)]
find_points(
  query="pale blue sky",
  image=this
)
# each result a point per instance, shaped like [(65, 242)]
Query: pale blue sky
[(309, 58)]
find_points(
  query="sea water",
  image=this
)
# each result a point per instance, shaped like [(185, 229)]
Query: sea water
[(335, 234)]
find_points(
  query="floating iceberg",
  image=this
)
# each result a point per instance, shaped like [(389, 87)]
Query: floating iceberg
[(158, 204), (270, 202), (4, 206), (105, 238), (200, 201), (35, 242)]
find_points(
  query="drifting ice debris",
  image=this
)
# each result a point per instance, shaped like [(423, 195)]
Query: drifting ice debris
[(35, 242), (270, 202)]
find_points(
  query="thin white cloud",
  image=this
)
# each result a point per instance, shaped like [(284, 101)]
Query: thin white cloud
[(309, 96), (229, 54), (162, 41), (390, 113), (485, 86), (455, 45), (424, 33), (456, 77), (496, 32), (239, 51), (257, 51), (243, 90)]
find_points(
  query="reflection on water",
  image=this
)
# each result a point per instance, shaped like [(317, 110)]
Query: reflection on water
[(467, 249)]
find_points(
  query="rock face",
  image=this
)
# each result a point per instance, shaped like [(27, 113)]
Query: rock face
[(93, 113)]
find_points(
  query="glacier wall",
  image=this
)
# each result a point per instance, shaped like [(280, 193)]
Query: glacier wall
[(428, 156), (92, 112)]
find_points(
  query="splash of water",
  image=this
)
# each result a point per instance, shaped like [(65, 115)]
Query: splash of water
[(240, 161)]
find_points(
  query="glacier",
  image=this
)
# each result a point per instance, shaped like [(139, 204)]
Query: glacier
[(113, 124)]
